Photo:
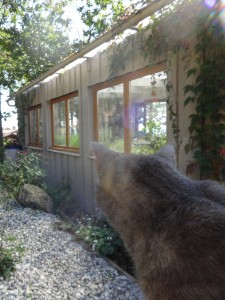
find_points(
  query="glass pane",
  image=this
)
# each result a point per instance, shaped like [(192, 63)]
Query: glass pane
[(73, 109), (40, 126), (110, 116), (149, 113), (59, 123), (33, 126)]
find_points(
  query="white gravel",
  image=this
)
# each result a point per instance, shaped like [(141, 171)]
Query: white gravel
[(54, 266)]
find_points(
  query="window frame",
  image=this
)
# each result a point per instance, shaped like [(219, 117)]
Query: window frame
[(125, 80), (30, 109), (65, 99)]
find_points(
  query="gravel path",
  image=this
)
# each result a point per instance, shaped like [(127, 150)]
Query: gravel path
[(54, 266)]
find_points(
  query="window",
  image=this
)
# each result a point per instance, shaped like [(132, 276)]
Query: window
[(131, 114), (35, 125), (111, 120), (65, 122), (149, 112)]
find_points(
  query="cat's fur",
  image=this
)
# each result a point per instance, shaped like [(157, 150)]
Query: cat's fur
[(172, 226)]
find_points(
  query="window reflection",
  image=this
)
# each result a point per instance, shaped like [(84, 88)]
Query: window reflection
[(65, 112), (59, 112), (149, 112), (110, 117), (73, 122)]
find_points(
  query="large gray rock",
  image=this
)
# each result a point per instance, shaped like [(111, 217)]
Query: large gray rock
[(34, 197)]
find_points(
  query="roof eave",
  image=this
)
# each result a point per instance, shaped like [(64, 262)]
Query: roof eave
[(119, 28)]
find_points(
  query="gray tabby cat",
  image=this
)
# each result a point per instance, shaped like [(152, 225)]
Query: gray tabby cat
[(172, 226)]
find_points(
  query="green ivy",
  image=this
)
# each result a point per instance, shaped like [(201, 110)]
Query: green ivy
[(22, 103), (207, 92), (163, 36)]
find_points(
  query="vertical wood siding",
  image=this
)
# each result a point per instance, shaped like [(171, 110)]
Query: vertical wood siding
[(78, 169)]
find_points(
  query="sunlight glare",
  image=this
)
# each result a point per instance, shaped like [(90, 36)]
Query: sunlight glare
[(222, 14), (210, 3)]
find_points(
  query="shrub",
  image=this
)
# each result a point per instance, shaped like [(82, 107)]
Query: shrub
[(9, 255), (64, 202), (25, 169), (7, 263)]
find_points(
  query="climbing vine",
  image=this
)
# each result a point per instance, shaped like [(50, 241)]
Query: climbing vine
[(165, 35), (158, 41), (22, 103), (207, 92), (120, 52)]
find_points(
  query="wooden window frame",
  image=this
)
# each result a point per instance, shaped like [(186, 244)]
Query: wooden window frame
[(125, 80), (64, 99), (35, 108)]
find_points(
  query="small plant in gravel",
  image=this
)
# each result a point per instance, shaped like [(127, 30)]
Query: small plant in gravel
[(15, 173), (102, 238), (10, 253)]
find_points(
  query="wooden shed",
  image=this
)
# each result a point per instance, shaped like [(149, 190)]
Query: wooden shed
[(86, 98)]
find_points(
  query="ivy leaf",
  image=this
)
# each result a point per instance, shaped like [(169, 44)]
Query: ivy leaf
[(188, 100), (189, 88), (187, 148), (191, 72)]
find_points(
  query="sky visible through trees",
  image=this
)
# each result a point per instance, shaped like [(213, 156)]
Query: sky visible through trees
[(78, 28)]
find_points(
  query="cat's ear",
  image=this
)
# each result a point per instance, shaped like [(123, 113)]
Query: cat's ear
[(168, 153), (100, 152)]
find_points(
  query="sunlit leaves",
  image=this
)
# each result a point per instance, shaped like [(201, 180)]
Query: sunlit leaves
[(32, 39), (99, 15)]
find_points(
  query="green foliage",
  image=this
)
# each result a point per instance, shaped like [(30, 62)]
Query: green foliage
[(172, 108), (207, 92), (103, 239), (25, 169), (98, 16), (7, 264), (74, 141), (154, 136), (60, 140), (10, 253), (163, 36), (32, 38), (119, 55), (64, 202), (117, 144)]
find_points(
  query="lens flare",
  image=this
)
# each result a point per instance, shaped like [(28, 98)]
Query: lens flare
[(210, 3), (217, 15), (221, 14)]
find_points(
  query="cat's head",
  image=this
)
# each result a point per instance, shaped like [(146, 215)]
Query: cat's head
[(111, 165), (103, 155), (125, 180)]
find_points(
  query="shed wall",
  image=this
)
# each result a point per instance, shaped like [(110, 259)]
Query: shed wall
[(78, 168)]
